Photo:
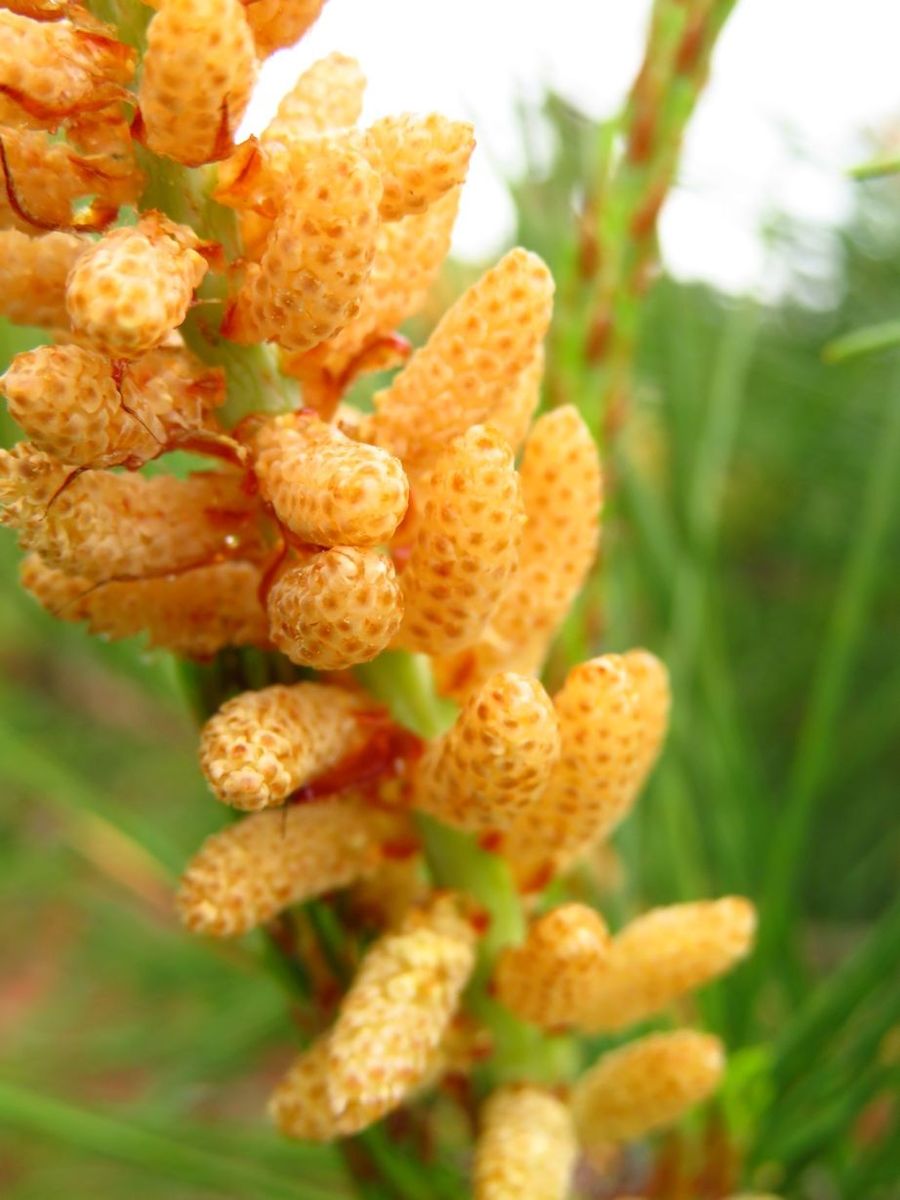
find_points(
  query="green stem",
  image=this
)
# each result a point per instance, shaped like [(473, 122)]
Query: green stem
[(404, 682), (519, 1051), (876, 169), (456, 860), (130, 18)]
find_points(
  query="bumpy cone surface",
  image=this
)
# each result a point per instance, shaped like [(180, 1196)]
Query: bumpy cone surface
[(339, 608), (497, 759), (261, 746), (466, 545), (526, 1147), (246, 874), (646, 1085)]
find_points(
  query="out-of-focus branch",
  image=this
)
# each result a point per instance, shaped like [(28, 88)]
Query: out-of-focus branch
[(638, 164)]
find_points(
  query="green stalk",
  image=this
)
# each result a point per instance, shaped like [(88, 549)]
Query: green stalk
[(130, 18), (404, 682), (817, 736), (876, 169), (671, 79)]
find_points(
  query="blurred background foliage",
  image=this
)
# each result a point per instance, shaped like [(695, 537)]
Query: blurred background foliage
[(752, 537)]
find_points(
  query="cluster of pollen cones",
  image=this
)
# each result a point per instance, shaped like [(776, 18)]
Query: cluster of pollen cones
[(447, 522)]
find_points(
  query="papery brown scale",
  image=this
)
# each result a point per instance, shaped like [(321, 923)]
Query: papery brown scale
[(386, 752), (44, 179), (692, 44), (193, 613), (52, 70), (116, 527), (242, 180)]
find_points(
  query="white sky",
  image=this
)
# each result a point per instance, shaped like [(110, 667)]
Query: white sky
[(796, 85)]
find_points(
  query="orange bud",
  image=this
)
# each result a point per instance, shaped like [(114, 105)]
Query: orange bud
[(198, 72), (33, 274), (646, 1085), (50, 70), (277, 24), (545, 979), (661, 956), (526, 1147), (261, 746), (132, 288), (560, 477), (82, 408), (310, 277), (106, 526), (328, 95), (247, 873), (495, 761), (466, 545), (326, 488), (478, 351), (339, 608), (398, 1009), (408, 255), (419, 159), (604, 722)]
